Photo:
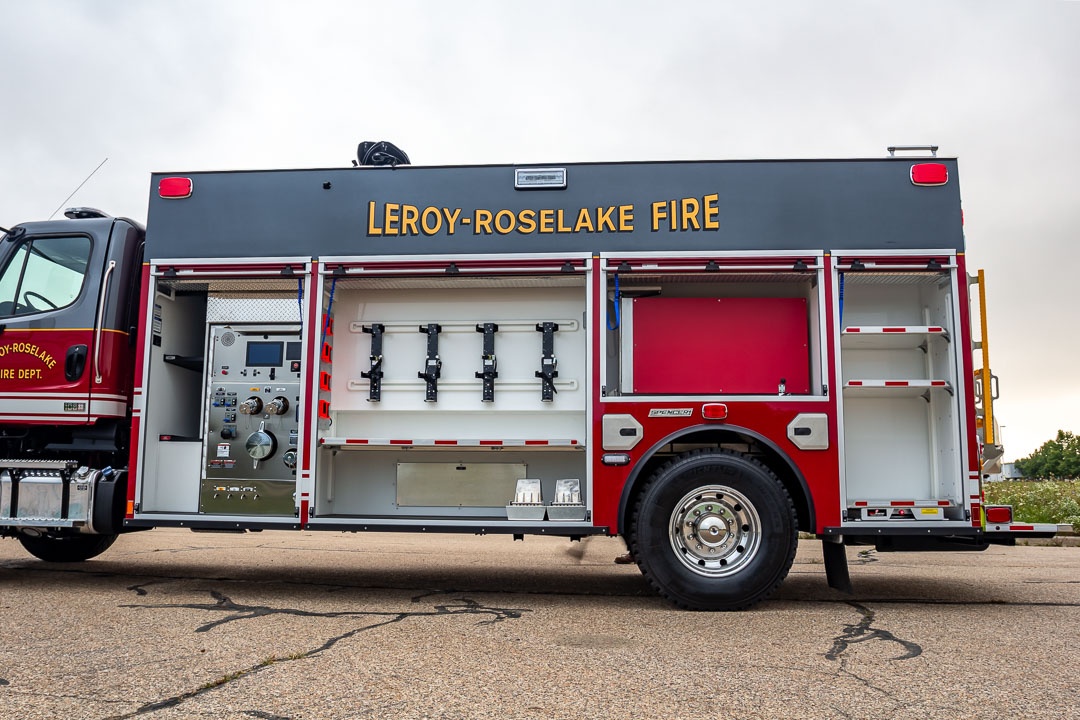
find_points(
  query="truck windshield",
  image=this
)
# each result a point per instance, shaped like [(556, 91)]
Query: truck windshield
[(43, 274)]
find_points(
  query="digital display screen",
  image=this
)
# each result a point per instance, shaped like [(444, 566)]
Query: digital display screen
[(292, 351), (264, 354)]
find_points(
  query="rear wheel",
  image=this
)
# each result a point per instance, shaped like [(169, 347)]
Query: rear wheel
[(714, 530), (66, 548)]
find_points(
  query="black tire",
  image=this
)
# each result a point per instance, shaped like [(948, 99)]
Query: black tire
[(736, 537), (66, 548)]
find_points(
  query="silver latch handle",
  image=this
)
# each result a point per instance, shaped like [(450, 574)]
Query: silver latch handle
[(101, 319)]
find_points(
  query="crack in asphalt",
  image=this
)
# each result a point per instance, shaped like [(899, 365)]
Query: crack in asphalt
[(863, 631), (239, 611), (865, 557), (859, 632), (265, 715)]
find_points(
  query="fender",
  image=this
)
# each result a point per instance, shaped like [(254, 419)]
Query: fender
[(634, 477)]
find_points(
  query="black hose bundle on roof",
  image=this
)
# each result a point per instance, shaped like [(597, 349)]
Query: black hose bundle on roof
[(380, 153)]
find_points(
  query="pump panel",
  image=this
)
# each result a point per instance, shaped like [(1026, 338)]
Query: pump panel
[(252, 420)]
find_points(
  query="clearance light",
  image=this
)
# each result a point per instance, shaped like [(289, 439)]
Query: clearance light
[(714, 411), (537, 178), (999, 514), (615, 459), (174, 188), (929, 174)]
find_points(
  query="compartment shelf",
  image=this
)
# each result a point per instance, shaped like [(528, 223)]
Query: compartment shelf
[(352, 443), (890, 337), (188, 362), (895, 388)]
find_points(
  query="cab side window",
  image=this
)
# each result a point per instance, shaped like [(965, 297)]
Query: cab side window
[(43, 274)]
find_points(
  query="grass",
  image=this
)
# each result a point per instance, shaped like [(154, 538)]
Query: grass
[(1038, 501)]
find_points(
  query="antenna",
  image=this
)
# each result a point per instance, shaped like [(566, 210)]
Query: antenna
[(78, 188)]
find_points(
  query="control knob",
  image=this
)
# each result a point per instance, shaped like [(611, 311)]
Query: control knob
[(252, 406), (260, 445), (278, 406)]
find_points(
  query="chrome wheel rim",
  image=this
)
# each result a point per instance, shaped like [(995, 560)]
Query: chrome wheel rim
[(715, 531)]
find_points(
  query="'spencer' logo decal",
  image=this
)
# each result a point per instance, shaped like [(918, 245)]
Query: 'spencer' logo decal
[(671, 412)]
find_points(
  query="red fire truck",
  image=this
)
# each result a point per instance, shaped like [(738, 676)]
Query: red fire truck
[(706, 358)]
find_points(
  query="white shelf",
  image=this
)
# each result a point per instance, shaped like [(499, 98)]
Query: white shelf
[(354, 443), (895, 388), (890, 337)]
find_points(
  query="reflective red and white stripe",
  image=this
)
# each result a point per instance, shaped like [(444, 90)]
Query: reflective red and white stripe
[(390, 442), (902, 503), (896, 383), (57, 407), (907, 329)]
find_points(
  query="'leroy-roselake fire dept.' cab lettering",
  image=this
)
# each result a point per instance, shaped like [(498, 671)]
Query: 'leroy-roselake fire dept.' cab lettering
[(678, 215), (30, 350)]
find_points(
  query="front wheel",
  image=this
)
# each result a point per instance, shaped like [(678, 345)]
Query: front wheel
[(714, 530), (66, 548)]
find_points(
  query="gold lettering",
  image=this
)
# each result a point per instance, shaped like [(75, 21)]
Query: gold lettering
[(626, 218), (451, 219), (482, 222), (584, 221), (409, 214), (7, 374), (672, 212), (390, 219), (431, 221), (372, 228), (526, 222), (560, 226), (712, 211), (690, 207), (507, 227), (547, 221), (603, 217), (659, 212)]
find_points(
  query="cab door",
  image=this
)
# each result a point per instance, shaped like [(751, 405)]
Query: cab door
[(49, 280)]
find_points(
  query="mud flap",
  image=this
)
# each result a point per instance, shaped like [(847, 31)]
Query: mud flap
[(110, 502), (836, 567)]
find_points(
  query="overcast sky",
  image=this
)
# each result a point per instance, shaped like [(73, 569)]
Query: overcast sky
[(216, 84)]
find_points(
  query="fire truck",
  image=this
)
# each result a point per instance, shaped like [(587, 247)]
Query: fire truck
[(706, 358)]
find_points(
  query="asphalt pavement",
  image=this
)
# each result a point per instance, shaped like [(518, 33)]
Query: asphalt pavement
[(275, 625)]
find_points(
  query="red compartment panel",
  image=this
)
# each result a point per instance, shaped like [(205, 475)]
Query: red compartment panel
[(740, 346)]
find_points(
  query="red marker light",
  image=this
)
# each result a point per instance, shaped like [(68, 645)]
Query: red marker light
[(175, 188), (999, 514), (714, 411), (929, 174)]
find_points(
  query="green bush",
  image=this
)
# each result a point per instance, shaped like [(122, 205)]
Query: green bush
[(1038, 501)]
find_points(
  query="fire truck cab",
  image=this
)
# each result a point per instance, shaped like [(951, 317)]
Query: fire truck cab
[(704, 357)]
